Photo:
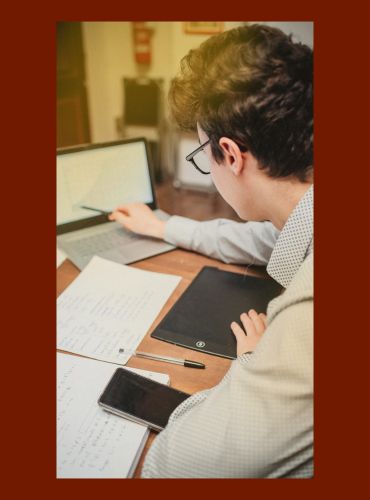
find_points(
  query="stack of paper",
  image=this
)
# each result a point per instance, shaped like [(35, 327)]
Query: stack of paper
[(91, 442), (108, 307)]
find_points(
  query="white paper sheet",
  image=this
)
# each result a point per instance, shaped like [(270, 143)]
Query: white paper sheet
[(61, 257), (110, 306), (91, 442)]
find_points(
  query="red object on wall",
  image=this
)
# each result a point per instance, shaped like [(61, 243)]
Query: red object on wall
[(142, 43)]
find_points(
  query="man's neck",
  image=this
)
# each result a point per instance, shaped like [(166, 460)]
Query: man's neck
[(283, 197)]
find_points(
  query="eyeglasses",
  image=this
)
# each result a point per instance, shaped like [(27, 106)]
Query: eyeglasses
[(202, 163)]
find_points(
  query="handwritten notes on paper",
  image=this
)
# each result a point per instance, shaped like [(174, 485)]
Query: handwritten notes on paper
[(110, 306), (90, 441)]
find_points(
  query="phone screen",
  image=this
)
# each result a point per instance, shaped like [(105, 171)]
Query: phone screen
[(150, 402)]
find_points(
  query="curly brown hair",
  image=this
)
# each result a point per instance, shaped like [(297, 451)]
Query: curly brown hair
[(252, 84)]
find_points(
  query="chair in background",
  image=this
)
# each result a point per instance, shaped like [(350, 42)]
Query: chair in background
[(143, 115)]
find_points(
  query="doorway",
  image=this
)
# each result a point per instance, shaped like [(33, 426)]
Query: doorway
[(72, 110)]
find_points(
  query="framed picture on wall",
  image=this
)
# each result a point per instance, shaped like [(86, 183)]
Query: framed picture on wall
[(203, 28)]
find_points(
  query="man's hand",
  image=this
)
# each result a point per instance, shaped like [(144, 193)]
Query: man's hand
[(254, 326), (140, 219)]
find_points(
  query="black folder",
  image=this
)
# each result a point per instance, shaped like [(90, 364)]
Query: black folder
[(201, 318)]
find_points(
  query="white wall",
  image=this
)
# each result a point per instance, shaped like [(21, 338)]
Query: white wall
[(109, 58), (301, 31)]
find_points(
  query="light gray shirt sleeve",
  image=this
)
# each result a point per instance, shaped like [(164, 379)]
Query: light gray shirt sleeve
[(225, 240)]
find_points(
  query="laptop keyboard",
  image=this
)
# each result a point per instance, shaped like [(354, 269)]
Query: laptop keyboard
[(100, 243), (110, 241)]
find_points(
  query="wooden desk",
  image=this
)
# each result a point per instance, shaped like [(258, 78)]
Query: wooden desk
[(199, 206), (185, 264)]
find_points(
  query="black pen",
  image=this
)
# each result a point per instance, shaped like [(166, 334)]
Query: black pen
[(185, 362), (95, 210)]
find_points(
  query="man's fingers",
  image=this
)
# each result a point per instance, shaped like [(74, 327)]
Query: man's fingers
[(254, 326), (257, 321), (237, 331), (264, 319), (244, 343), (123, 209), (248, 324), (119, 217), (127, 208)]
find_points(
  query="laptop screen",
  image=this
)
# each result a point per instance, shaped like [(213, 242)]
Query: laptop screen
[(102, 176)]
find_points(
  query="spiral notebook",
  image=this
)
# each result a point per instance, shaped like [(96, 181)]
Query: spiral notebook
[(201, 318)]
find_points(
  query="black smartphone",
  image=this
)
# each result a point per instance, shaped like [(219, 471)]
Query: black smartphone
[(140, 399)]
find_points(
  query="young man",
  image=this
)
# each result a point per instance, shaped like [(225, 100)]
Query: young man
[(248, 92)]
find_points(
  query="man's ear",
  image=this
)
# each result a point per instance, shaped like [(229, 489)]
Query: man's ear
[(233, 157)]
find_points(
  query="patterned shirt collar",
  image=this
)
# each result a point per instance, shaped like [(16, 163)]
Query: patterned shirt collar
[(295, 242)]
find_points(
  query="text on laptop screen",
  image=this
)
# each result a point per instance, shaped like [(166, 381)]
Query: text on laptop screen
[(102, 178)]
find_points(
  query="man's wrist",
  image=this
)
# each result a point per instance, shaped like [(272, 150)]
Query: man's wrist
[(159, 229)]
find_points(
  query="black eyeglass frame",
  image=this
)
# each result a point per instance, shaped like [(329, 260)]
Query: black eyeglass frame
[(190, 157)]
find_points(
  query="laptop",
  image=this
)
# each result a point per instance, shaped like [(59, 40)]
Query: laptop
[(103, 176)]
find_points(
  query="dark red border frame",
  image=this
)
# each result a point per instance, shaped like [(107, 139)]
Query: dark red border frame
[(28, 196)]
